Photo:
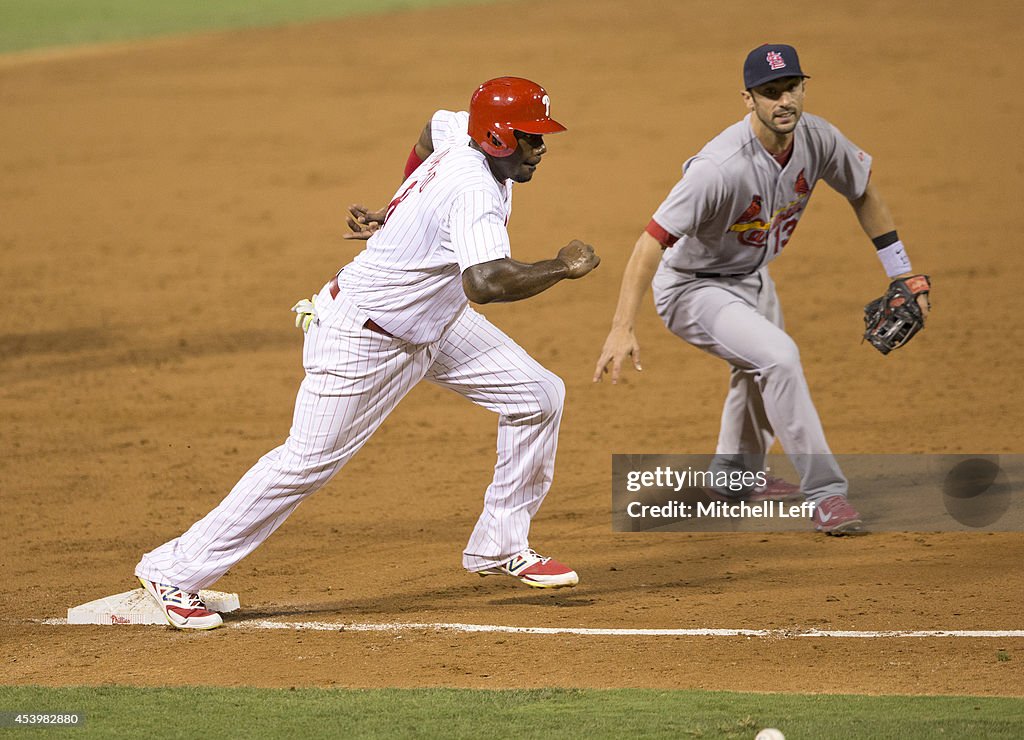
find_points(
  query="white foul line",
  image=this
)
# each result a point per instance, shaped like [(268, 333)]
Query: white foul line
[(608, 632), (264, 624)]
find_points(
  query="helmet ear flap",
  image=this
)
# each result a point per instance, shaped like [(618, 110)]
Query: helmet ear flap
[(495, 140)]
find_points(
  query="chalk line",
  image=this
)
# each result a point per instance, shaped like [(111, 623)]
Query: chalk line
[(266, 624)]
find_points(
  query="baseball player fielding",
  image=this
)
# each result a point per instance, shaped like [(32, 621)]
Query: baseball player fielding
[(706, 253)]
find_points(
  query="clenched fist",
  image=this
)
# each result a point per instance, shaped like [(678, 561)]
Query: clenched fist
[(579, 258)]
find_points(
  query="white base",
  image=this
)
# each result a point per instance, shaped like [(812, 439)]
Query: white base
[(138, 607)]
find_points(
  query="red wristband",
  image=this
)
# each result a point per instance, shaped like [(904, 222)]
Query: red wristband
[(413, 163)]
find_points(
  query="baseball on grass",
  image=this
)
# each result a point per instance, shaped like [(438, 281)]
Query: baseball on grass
[(769, 733)]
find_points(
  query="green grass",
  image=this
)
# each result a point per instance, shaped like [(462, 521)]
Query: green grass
[(458, 713), (28, 24)]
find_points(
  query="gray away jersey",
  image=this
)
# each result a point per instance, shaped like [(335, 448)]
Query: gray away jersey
[(735, 208)]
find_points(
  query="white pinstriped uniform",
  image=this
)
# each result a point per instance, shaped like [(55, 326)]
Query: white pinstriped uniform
[(452, 215)]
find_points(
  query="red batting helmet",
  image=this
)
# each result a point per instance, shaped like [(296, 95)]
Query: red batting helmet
[(502, 106)]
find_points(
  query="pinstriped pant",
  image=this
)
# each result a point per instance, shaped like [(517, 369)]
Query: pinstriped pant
[(354, 378)]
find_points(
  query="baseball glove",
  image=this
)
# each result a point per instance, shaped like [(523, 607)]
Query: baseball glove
[(892, 320)]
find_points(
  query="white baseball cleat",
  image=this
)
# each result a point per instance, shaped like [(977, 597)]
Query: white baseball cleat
[(183, 610), (535, 571)]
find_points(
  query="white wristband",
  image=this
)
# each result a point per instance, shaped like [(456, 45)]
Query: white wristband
[(894, 259)]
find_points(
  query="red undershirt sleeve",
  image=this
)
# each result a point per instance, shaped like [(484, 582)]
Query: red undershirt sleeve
[(659, 233), (413, 162)]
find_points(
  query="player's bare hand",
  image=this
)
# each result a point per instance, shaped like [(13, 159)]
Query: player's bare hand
[(363, 222), (580, 258), (620, 344)]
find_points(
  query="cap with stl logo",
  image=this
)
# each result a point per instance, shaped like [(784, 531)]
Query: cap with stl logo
[(770, 62)]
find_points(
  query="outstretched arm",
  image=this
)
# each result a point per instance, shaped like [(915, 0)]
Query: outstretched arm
[(873, 213), (506, 280), (621, 342), (877, 221)]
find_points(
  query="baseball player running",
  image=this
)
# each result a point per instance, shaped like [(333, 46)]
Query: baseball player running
[(707, 249), (399, 314)]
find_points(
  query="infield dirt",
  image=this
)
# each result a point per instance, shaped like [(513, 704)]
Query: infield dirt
[(165, 203)]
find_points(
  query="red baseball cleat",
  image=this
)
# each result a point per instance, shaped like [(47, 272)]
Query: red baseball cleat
[(835, 516), (183, 610), (776, 489), (535, 571)]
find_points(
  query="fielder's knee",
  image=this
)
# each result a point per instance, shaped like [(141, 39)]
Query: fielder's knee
[(783, 358), (781, 364)]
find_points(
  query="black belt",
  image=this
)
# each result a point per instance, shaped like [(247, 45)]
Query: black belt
[(721, 275)]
